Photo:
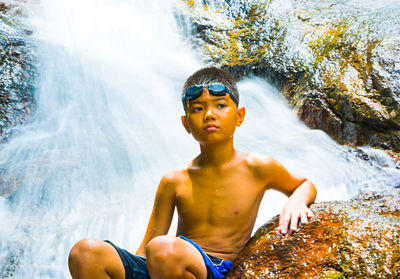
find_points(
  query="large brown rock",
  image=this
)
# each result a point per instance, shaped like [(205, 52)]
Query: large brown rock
[(338, 62), (355, 239)]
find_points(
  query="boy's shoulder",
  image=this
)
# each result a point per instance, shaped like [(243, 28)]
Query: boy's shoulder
[(176, 175), (261, 164), (259, 160)]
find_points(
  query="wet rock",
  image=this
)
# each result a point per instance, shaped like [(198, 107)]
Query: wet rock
[(17, 62), (338, 62), (355, 239)]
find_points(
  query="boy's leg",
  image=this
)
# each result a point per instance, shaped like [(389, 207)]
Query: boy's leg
[(172, 257), (91, 258)]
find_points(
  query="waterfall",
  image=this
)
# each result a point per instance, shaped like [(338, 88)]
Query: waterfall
[(107, 128)]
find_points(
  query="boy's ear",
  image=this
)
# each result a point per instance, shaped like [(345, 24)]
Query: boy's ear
[(185, 124), (240, 116)]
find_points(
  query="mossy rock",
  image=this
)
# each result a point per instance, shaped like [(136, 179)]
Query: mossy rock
[(347, 52)]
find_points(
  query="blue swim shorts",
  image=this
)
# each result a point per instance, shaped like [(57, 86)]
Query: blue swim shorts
[(135, 266), (216, 268)]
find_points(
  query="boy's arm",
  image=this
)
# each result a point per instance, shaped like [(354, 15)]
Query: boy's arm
[(301, 193), (163, 210)]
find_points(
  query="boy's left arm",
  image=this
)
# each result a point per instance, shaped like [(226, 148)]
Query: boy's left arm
[(301, 193)]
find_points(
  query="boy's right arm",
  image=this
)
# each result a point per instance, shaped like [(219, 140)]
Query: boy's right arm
[(163, 210)]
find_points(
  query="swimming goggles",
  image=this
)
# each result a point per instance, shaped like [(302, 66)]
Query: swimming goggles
[(215, 89)]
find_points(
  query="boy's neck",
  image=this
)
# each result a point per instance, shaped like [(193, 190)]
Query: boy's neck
[(216, 154)]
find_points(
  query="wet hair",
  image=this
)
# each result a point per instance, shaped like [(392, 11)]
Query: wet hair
[(209, 75)]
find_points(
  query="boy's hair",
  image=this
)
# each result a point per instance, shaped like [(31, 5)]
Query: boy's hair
[(208, 75)]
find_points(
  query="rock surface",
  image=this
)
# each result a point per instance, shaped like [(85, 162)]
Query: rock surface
[(16, 69), (355, 239), (338, 62)]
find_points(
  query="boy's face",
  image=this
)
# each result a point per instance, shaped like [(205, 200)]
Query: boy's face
[(212, 118)]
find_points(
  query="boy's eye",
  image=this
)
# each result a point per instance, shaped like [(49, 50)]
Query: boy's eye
[(197, 109), (221, 106)]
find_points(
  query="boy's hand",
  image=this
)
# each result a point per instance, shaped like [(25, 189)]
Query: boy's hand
[(291, 213)]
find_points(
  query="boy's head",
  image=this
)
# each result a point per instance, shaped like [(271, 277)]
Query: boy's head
[(218, 82)]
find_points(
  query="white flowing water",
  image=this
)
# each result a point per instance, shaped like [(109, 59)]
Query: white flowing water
[(108, 127)]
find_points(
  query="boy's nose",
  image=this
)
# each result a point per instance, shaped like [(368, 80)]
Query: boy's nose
[(209, 113)]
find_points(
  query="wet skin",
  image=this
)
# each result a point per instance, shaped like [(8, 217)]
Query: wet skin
[(218, 194)]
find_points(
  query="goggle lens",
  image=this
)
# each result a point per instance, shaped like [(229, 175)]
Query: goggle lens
[(216, 89), (193, 92)]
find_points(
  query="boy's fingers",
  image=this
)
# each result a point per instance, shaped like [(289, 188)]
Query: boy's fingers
[(293, 219), (293, 222), (284, 222)]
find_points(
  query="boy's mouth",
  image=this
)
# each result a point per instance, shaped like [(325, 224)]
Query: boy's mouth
[(211, 127)]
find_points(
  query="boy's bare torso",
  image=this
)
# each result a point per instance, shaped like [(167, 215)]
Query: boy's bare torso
[(217, 208), (217, 195)]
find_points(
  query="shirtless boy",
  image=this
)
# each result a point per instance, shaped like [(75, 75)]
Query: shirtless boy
[(217, 196)]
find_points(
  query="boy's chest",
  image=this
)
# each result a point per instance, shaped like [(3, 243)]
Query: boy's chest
[(218, 197)]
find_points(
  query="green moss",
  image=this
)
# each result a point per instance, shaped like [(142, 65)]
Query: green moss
[(331, 274), (340, 42), (240, 46), (240, 43)]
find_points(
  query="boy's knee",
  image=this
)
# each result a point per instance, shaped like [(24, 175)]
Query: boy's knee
[(164, 257), (169, 257), (163, 248), (83, 250), (92, 258)]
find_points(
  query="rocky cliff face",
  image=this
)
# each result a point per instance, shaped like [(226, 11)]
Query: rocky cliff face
[(16, 69), (355, 239), (338, 62)]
